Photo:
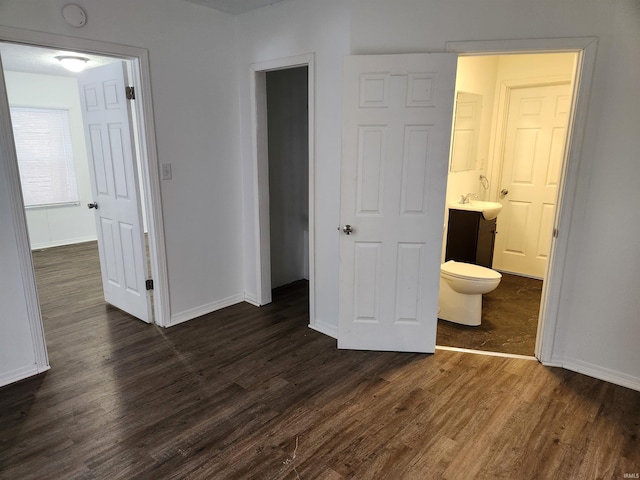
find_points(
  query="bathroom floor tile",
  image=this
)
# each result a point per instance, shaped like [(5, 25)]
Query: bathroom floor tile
[(509, 320)]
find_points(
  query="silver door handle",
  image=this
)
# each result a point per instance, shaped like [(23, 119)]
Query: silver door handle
[(347, 229), (504, 192), (93, 205)]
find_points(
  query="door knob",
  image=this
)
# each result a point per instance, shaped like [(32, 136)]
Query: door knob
[(504, 192), (93, 205), (348, 229)]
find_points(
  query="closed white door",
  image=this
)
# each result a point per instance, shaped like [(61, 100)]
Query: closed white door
[(535, 136), (397, 112), (114, 182)]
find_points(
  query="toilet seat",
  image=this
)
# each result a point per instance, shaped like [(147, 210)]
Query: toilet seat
[(468, 271), (461, 288)]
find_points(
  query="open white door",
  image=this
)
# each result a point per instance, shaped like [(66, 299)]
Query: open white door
[(114, 181), (397, 113), (536, 130)]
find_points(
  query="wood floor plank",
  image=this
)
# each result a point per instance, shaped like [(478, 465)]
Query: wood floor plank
[(227, 396)]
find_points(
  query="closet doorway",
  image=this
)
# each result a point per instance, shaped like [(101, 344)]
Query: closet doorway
[(283, 112)]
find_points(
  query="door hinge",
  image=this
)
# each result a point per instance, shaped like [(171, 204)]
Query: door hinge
[(130, 92), (149, 284), (555, 233)]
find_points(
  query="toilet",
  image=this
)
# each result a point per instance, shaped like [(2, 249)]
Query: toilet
[(461, 288)]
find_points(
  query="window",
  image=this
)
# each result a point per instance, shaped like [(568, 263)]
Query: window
[(45, 156)]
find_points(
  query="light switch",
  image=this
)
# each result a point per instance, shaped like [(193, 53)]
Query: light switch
[(166, 171)]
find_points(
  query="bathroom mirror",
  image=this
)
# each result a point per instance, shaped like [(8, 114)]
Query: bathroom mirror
[(466, 130)]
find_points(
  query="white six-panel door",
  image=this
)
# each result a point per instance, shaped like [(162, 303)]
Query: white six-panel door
[(535, 136), (397, 112), (114, 182)]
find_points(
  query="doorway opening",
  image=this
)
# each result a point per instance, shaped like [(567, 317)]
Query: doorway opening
[(67, 181), (137, 59), (288, 157), (283, 112), (511, 151)]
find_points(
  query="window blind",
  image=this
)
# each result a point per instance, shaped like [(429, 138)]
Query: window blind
[(45, 156)]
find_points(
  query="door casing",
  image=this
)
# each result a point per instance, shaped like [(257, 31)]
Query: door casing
[(585, 47), (139, 59), (261, 175)]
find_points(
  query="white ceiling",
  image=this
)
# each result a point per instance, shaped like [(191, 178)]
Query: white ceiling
[(23, 58), (235, 6)]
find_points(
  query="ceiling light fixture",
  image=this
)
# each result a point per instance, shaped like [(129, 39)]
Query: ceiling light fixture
[(73, 64)]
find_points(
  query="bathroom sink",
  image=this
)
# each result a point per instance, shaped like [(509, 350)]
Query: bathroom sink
[(489, 210)]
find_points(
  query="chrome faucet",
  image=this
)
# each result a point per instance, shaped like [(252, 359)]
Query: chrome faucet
[(467, 198)]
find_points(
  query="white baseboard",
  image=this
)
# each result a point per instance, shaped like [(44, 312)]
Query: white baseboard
[(252, 299), (601, 373), (60, 243), (554, 362), (20, 374), (192, 313), (325, 328)]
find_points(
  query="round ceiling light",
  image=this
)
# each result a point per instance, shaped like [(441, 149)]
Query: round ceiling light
[(73, 64)]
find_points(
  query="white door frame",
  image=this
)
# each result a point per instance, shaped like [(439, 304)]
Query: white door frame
[(139, 58), (259, 132), (9, 167), (585, 47)]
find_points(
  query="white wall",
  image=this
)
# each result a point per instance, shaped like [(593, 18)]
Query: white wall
[(196, 118), (484, 75), (195, 107), (553, 66), (65, 224), (599, 322), (474, 75), (288, 138), (541, 65), (282, 30), (602, 327)]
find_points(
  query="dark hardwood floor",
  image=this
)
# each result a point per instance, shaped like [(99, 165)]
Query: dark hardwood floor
[(253, 393)]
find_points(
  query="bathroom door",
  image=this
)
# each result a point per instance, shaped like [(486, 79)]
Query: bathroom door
[(397, 112), (107, 122), (536, 131)]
